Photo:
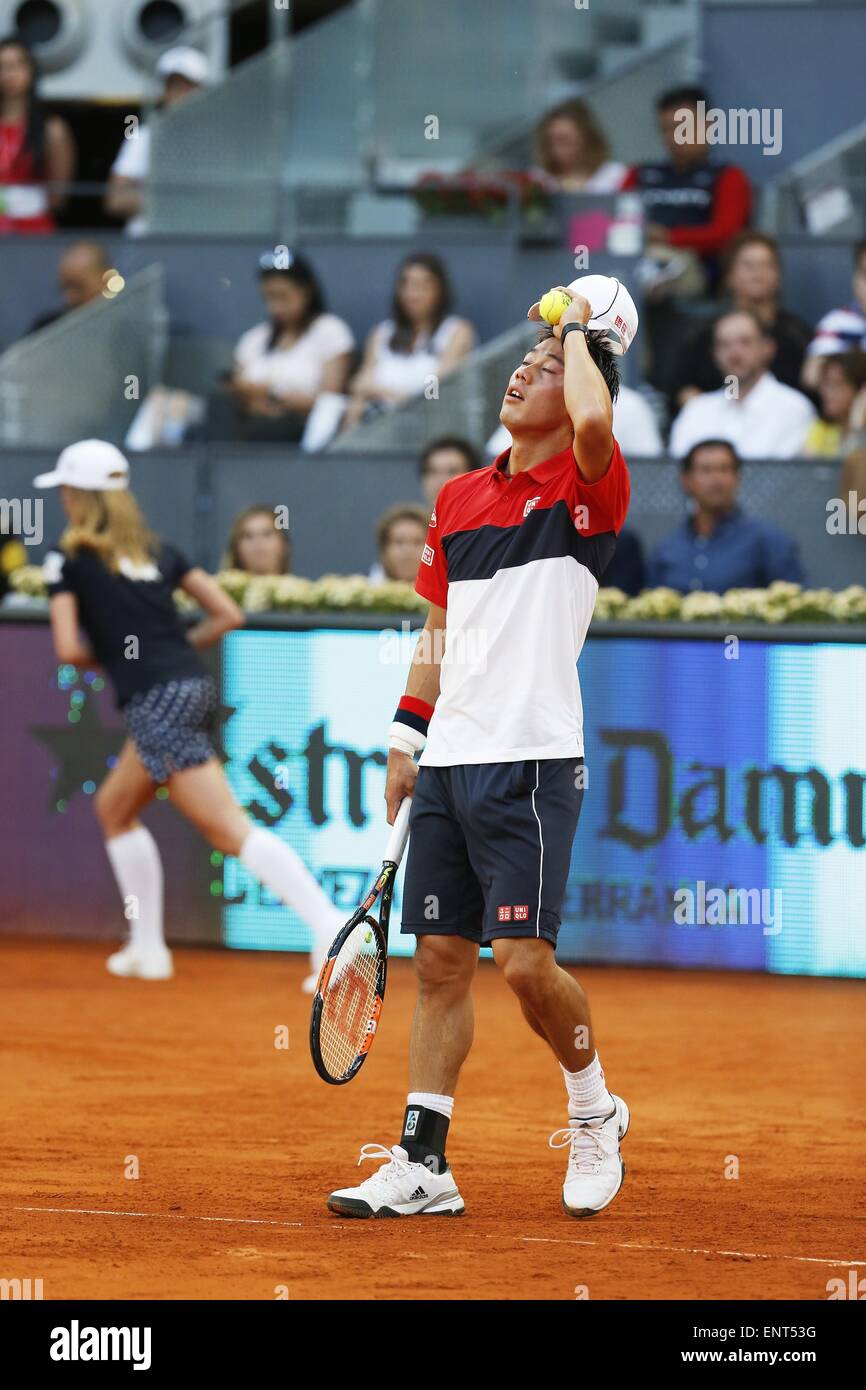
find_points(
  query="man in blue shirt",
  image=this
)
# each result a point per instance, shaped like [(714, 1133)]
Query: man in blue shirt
[(718, 547)]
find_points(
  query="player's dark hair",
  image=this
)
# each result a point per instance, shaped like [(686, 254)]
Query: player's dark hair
[(689, 459), (686, 95), (451, 441), (600, 353), (859, 250)]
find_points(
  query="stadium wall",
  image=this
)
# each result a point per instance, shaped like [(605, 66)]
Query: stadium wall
[(707, 778)]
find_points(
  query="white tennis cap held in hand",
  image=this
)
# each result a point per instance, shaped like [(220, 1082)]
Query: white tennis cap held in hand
[(613, 309), (91, 464)]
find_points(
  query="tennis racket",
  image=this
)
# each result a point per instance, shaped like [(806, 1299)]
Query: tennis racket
[(348, 1001)]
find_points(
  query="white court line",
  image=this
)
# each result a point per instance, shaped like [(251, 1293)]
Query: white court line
[(689, 1250), (163, 1216), (538, 1240)]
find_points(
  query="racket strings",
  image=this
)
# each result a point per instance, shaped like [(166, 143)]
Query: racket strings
[(349, 1001)]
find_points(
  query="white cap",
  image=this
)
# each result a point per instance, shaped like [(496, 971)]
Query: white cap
[(185, 62), (613, 309), (91, 464)]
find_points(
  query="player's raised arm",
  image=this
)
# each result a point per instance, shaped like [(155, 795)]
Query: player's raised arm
[(587, 397), (408, 733)]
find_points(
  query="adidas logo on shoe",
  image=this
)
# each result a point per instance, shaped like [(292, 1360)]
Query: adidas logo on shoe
[(419, 1195)]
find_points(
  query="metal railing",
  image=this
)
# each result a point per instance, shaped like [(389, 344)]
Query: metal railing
[(86, 373), (823, 194)]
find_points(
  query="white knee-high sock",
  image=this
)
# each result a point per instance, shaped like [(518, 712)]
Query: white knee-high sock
[(137, 866), (285, 873)]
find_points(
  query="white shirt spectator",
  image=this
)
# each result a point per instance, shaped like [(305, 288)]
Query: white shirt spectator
[(406, 373), (634, 426), (298, 367), (770, 421), (133, 162), (608, 178)]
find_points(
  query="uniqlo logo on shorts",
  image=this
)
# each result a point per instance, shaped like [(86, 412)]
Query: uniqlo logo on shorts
[(427, 555), (521, 913), (503, 914)]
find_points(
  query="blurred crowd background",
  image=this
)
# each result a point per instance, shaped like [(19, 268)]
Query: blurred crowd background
[(283, 254)]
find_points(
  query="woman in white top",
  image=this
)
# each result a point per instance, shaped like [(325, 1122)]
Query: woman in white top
[(282, 365), (421, 340), (573, 152)]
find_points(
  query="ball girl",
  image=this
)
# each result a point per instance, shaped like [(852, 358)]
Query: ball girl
[(111, 582)]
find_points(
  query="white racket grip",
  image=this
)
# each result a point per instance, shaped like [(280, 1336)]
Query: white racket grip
[(399, 833)]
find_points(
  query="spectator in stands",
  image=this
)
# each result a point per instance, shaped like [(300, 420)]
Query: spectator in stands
[(627, 569), (691, 205), (573, 152), (282, 365), (761, 417), (634, 424), (401, 534), (752, 279), (81, 275), (258, 544), (842, 377), (182, 71), (421, 340), (841, 329), (37, 151), (718, 547), (445, 458)]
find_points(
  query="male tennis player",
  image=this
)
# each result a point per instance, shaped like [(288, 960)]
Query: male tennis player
[(511, 569)]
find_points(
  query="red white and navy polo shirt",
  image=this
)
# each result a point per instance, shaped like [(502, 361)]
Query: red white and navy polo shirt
[(516, 562)]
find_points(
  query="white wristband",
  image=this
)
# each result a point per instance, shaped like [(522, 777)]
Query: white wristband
[(405, 739)]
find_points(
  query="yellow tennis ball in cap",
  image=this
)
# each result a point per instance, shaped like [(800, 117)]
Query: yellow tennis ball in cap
[(553, 305)]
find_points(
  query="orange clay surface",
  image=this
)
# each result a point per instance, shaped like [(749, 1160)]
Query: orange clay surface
[(238, 1142)]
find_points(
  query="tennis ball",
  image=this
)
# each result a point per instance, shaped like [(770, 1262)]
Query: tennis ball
[(553, 305)]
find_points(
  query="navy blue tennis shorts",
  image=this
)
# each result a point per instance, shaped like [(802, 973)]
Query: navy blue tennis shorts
[(490, 848), (172, 725)]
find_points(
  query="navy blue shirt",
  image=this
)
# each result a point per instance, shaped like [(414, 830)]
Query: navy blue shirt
[(741, 553)]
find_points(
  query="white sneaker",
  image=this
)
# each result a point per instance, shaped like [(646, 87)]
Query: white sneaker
[(398, 1188), (140, 963), (595, 1170)]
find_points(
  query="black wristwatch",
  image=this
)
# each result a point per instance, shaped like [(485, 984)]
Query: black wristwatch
[(579, 327)]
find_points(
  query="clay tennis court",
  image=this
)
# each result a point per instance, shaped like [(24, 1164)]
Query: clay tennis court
[(238, 1142)]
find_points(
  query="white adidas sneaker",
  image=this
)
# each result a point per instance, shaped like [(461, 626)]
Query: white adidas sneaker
[(595, 1169), (140, 963), (398, 1188)]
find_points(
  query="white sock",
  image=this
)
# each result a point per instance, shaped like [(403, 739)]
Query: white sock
[(443, 1105), (285, 873), (587, 1093), (137, 866)]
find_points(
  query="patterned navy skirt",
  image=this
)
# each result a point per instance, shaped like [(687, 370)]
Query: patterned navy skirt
[(172, 725)]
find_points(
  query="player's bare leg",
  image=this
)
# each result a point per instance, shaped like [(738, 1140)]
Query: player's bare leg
[(555, 1006), (415, 1179), (553, 1002), (444, 1020)]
